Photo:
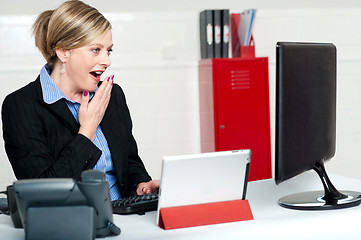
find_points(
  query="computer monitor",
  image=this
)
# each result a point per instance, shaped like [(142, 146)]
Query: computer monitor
[(306, 122)]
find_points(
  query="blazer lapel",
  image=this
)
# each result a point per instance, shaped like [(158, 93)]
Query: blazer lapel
[(115, 133), (59, 109)]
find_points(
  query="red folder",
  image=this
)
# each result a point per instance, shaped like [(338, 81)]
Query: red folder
[(235, 42), (204, 214), (248, 51)]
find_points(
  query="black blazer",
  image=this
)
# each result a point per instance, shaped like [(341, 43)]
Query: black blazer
[(42, 140)]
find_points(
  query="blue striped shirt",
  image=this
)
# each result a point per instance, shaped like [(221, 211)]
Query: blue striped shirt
[(51, 94)]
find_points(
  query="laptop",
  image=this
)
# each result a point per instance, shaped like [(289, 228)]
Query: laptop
[(203, 178)]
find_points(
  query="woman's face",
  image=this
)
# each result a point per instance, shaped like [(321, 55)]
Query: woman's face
[(85, 65)]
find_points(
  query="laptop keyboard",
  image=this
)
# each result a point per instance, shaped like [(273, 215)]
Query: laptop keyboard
[(137, 204)]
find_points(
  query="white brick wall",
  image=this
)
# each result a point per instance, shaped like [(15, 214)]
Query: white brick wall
[(155, 61)]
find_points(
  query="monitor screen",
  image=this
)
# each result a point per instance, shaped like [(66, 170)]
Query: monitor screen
[(306, 116)]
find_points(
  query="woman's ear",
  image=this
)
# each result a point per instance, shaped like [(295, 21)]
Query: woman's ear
[(62, 54)]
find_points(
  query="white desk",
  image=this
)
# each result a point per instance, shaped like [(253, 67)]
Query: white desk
[(270, 220)]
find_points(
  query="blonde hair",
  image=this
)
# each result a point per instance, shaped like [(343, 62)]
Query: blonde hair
[(72, 25)]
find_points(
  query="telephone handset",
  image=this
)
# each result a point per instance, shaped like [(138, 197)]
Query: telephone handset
[(64, 207), (96, 190)]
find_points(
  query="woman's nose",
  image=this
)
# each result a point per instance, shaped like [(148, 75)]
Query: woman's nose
[(105, 60)]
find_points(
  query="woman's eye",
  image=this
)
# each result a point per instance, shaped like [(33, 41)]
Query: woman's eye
[(110, 51), (96, 50)]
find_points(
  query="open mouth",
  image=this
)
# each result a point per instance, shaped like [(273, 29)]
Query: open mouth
[(96, 74)]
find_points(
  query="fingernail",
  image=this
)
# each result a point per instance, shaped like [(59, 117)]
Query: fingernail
[(112, 77), (108, 79), (85, 93)]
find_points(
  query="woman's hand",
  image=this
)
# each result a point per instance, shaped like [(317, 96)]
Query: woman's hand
[(148, 187), (91, 113)]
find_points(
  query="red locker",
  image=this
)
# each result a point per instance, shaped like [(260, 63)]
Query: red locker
[(234, 109)]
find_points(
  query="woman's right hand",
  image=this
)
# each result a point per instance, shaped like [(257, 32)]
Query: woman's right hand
[(91, 113)]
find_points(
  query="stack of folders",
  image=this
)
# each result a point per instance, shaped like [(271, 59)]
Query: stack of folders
[(241, 30), (214, 33)]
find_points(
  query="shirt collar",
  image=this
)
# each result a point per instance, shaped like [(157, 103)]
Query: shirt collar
[(51, 91)]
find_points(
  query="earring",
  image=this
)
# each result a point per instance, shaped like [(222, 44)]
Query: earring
[(62, 70)]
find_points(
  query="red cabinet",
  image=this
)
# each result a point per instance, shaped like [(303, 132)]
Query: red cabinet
[(234, 109)]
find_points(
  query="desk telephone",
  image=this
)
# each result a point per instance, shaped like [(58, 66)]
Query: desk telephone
[(63, 207)]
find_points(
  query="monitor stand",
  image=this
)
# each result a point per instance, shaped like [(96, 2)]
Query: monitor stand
[(330, 198)]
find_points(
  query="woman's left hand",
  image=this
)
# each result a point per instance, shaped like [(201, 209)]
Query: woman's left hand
[(148, 187)]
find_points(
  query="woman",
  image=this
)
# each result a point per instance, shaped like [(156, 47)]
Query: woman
[(67, 120)]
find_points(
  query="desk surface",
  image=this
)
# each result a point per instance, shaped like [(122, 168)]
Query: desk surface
[(270, 220)]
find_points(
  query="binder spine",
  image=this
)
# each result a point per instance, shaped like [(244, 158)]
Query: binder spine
[(225, 33), (217, 36), (206, 34)]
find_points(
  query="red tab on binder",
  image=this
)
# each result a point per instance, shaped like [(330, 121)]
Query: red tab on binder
[(204, 214)]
